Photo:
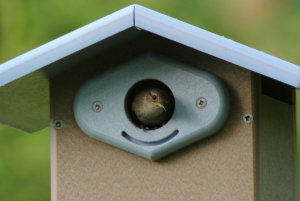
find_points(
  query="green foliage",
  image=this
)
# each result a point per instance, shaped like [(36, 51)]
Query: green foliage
[(270, 25), (24, 165)]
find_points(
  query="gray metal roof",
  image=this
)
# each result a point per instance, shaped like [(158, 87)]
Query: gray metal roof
[(31, 63)]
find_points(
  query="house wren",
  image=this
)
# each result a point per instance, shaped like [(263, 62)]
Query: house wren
[(152, 107)]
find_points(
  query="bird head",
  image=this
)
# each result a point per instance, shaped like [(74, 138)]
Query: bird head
[(157, 99), (151, 106)]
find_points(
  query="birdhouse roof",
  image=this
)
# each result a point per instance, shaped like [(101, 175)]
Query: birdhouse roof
[(24, 102)]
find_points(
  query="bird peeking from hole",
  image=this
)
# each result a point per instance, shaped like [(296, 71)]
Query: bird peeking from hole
[(152, 107)]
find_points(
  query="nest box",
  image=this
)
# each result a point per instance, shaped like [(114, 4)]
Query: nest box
[(146, 107)]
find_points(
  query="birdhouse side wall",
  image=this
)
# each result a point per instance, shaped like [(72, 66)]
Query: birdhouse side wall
[(276, 147)]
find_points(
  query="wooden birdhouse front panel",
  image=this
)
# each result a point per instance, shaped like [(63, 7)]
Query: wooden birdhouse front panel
[(217, 168)]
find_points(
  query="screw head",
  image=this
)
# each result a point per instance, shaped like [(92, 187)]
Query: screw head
[(248, 118), (201, 102), (97, 106), (58, 124)]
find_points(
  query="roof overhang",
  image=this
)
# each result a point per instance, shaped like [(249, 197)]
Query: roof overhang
[(31, 66)]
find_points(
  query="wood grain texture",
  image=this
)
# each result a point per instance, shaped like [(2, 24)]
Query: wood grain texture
[(221, 167)]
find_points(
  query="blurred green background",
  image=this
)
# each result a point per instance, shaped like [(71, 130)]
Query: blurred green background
[(272, 26)]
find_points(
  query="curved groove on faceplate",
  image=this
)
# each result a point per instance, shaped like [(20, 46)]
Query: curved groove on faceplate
[(151, 143)]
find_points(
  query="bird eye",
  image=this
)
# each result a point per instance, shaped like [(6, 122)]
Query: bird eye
[(154, 97)]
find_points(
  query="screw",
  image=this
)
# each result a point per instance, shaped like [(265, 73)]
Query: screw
[(248, 118), (97, 106), (201, 102), (58, 124)]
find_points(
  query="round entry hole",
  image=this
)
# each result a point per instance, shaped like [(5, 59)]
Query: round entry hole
[(149, 104)]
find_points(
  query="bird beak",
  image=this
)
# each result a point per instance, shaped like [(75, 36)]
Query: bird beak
[(161, 106)]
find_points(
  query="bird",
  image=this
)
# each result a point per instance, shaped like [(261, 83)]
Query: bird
[(152, 107)]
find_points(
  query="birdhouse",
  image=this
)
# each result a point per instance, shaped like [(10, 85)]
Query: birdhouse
[(146, 107)]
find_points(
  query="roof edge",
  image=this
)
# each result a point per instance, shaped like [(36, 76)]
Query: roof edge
[(217, 46), (157, 23), (67, 44)]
